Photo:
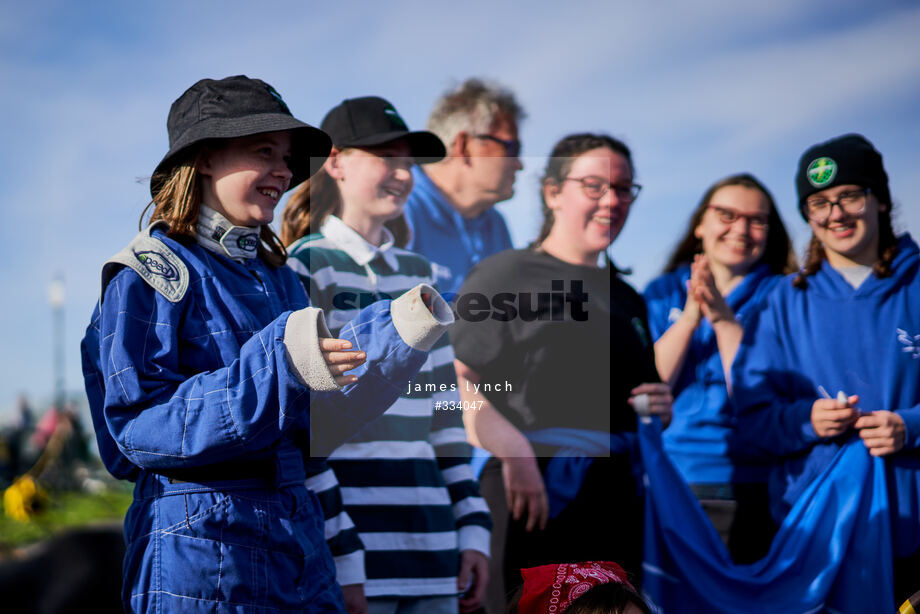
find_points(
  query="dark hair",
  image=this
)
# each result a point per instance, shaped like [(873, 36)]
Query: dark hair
[(612, 597), (178, 202), (560, 163), (316, 199), (609, 598), (778, 253), (887, 250)]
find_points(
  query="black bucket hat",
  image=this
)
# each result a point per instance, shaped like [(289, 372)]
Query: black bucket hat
[(371, 120), (234, 107)]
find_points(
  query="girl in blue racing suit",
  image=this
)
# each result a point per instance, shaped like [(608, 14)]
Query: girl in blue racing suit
[(210, 380)]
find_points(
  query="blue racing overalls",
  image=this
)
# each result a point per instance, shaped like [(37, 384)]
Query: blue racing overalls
[(202, 374)]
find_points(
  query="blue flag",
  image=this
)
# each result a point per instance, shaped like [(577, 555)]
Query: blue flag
[(832, 553)]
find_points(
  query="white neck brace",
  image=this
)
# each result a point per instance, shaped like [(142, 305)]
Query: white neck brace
[(216, 233)]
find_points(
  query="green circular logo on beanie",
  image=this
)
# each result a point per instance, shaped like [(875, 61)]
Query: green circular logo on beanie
[(821, 172)]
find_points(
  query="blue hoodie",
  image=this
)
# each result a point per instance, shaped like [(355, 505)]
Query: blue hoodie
[(698, 439), (863, 341)]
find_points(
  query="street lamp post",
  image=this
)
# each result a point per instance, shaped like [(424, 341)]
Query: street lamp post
[(56, 299)]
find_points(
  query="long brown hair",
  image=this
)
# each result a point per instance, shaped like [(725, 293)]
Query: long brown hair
[(887, 250), (316, 199), (778, 253), (177, 201), (560, 164)]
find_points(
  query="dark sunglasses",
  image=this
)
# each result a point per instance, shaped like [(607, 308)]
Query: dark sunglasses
[(512, 148)]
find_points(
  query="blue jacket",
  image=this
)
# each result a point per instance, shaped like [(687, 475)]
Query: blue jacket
[(700, 435), (198, 370), (863, 341), (451, 242)]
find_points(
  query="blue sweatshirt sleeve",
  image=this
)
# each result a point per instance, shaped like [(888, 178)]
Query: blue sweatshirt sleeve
[(773, 404), (661, 296), (911, 417), (162, 413)]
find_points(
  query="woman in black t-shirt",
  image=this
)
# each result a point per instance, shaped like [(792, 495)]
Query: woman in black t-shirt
[(553, 355)]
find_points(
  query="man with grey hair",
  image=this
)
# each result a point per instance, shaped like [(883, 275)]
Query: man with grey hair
[(450, 208)]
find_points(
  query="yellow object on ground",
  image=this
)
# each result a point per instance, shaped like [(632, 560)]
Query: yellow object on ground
[(24, 499)]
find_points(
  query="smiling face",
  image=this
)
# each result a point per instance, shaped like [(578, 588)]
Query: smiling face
[(590, 224), (243, 178), (848, 239), (374, 182), (738, 244)]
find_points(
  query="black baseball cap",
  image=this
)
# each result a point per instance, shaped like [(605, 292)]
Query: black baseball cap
[(234, 107), (846, 159), (371, 120)]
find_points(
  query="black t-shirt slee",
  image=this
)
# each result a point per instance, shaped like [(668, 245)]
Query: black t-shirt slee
[(568, 363)]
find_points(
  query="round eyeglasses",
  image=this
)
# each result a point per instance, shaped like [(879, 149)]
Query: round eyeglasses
[(595, 187), (757, 221), (851, 202)]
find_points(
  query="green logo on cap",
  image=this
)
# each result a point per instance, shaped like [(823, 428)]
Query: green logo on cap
[(821, 172), (395, 118)]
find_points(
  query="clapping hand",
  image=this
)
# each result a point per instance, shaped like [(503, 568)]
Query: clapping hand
[(706, 294)]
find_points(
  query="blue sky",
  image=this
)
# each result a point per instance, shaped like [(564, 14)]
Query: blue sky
[(699, 90)]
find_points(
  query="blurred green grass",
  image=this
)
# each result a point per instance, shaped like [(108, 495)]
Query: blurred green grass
[(65, 510)]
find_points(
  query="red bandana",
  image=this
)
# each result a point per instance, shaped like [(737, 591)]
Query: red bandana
[(551, 589)]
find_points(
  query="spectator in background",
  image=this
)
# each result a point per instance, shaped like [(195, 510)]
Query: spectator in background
[(733, 252), (848, 325), (562, 386), (450, 210), (14, 440), (405, 478), (49, 422), (24, 418)]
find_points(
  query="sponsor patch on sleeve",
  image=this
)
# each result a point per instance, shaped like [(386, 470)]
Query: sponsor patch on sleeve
[(155, 262)]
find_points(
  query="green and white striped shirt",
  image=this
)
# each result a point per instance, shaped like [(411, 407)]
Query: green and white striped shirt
[(405, 478)]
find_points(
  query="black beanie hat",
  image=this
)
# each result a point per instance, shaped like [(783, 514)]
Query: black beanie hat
[(847, 159)]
